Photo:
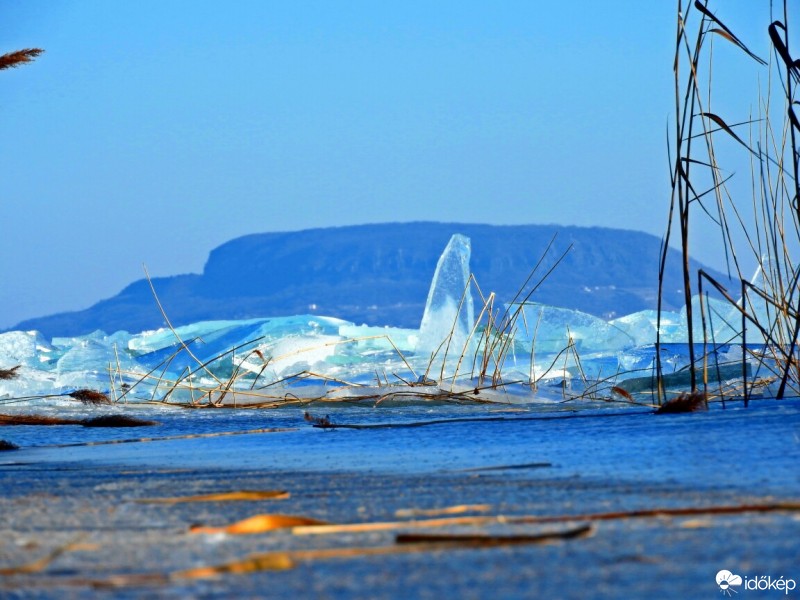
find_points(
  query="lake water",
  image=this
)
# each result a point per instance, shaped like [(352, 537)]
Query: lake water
[(737, 448)]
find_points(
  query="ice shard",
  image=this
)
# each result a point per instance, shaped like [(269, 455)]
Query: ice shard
[(641, 326), (271, 359), (449, 306), (552, 329), (26, 348)]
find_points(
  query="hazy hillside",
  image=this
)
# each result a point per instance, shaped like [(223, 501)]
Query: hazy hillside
[(380, 275)]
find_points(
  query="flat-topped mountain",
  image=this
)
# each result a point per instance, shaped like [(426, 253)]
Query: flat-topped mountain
[(380, 275)]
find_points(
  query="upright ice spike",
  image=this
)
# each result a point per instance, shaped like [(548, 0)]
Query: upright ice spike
[(448, 287)]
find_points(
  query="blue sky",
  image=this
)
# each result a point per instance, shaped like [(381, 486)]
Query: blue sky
[(151, 131)]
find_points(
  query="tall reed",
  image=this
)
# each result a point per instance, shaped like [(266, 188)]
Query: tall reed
[(762, 222)]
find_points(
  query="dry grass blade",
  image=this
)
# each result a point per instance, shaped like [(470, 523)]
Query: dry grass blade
[(781, 47), (89, 396), (259, 524), (725, 32), (405, 513), (719, 121), (19, 57), (244, 495), (40, 564), (6, 374)]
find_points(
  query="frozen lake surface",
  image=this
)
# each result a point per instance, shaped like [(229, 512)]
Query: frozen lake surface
[(754, 448), (537, 461)]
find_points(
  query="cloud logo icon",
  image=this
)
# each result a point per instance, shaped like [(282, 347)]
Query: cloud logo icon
[(726, 579)]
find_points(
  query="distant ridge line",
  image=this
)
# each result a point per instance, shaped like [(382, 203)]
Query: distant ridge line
[(379, 274)]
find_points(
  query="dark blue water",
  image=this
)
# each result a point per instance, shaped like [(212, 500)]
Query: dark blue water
[(746, 449)]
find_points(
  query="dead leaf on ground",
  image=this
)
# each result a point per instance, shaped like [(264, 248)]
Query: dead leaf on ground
[(259, 524), (622, 392)]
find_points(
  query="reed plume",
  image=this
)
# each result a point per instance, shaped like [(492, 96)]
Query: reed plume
[(686, 402), (90, 397), (14, 59), (11, 373)]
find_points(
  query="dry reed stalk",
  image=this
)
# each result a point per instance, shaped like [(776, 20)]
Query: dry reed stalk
[(610, 389), (128, 388), (237, 496), (232, 351), (288, 559), (461, 540), (404, 544), (190, 436), (773, 230), (171, 328), (542, 519), (187, 385), (449, 337), (504, 338), (516, 467), (405, 513), (532, 367), (112, 388)]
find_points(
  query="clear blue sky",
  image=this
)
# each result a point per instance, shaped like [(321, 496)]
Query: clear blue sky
[(152, 131)]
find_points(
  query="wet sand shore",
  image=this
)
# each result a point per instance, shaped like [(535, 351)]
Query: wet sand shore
[(114, 545)]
